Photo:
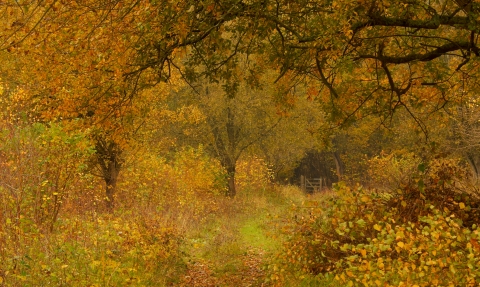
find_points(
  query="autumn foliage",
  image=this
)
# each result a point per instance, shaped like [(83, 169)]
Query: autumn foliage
[(54, 228), (139, 142), (421, 234)]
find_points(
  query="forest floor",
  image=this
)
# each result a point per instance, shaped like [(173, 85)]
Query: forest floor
[(234, 248)]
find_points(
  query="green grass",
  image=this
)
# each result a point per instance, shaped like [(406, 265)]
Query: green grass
[(315, 281), (254, 233), (246, 228)]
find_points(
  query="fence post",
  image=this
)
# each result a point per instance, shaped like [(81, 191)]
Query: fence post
[(302, 183)]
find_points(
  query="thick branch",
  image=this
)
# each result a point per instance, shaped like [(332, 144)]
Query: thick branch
[(433, 23), (425, 57), (324, 79)]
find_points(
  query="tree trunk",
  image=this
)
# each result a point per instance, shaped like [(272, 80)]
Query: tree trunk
[(339, 165), (230, 152), (226, 150), (111, 186), (232, 191), (108, 157), (473, 166)]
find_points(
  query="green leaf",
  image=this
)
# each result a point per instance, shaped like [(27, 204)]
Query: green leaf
[(361, 222), (421, 167)]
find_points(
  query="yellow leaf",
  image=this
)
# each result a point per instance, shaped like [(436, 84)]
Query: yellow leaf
[(461, 205), (400, 244), (363, 252), (400, 235), (377, 227)]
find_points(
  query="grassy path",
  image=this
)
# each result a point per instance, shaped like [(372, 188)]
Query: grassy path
[(232, 249)]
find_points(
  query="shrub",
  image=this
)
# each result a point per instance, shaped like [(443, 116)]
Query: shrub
[(390, 171), (184, 189), (98, 251), (41, 166), (253, 175), (422, 234)]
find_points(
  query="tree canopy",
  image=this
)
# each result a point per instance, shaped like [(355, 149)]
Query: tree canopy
[(374, 54)]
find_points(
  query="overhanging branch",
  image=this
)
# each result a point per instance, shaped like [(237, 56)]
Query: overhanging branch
[(430, 24), (324, 79), (425, 57)]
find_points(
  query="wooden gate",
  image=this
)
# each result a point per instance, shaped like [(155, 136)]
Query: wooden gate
[(311, 185)]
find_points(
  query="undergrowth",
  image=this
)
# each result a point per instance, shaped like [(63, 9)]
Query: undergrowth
[(172, 225), (424, 233)]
